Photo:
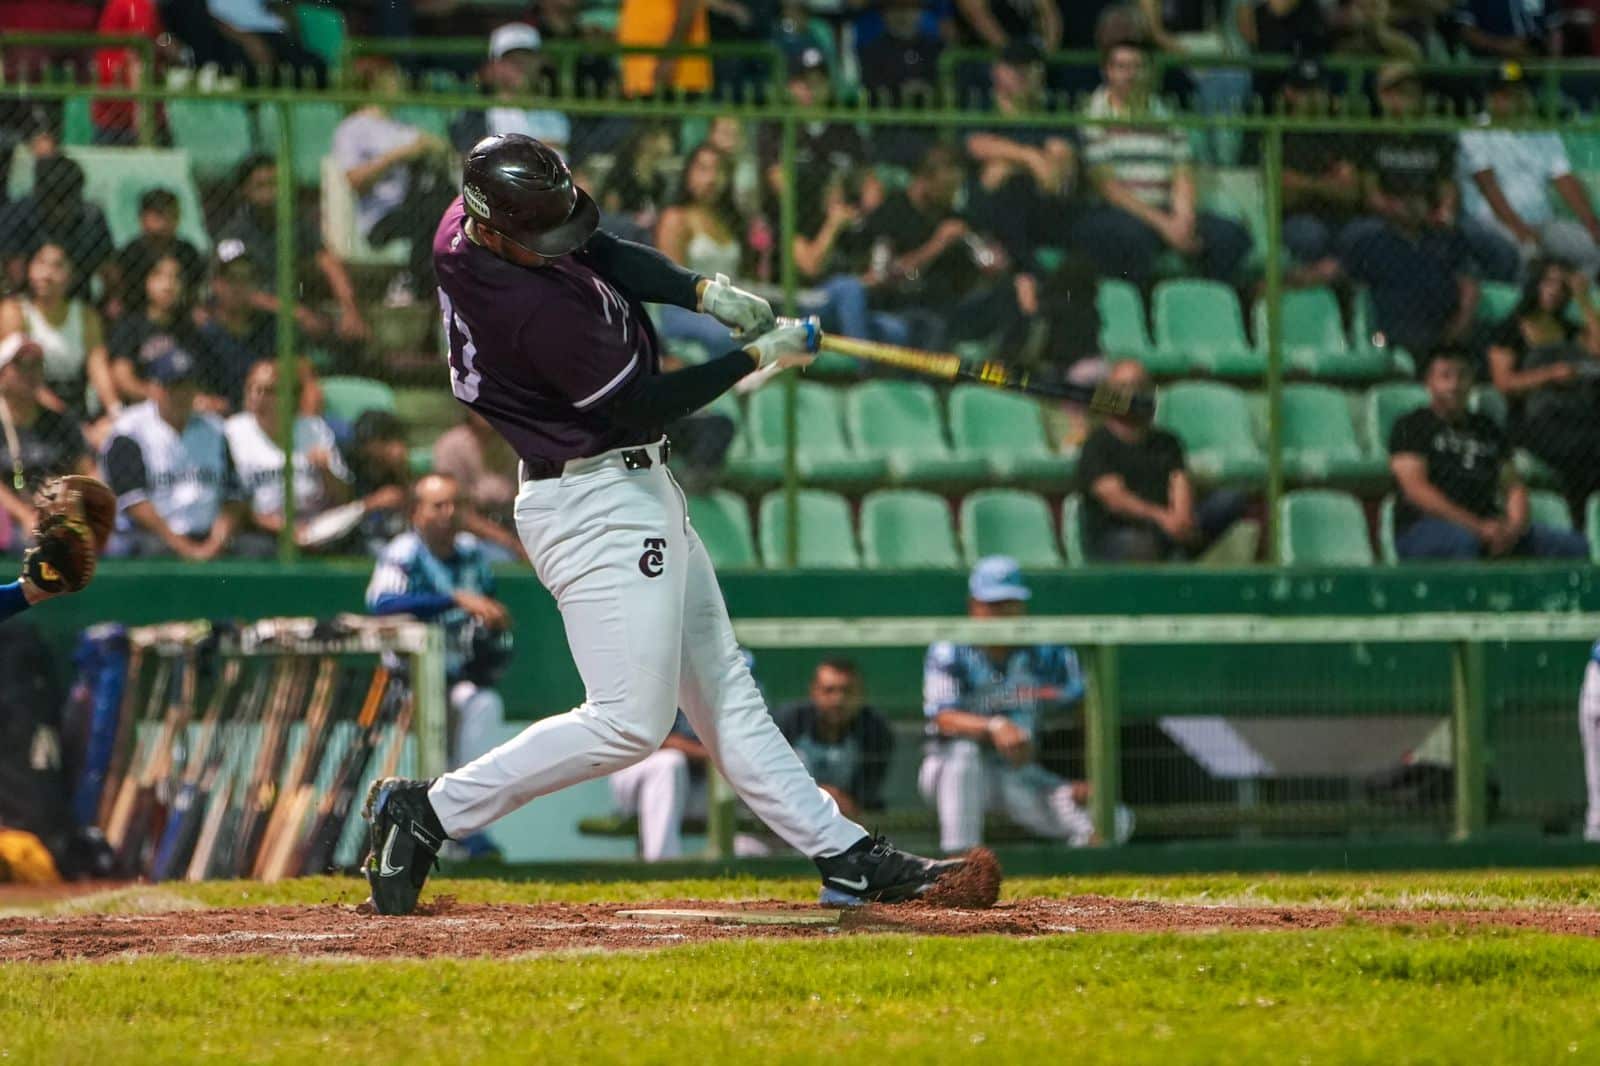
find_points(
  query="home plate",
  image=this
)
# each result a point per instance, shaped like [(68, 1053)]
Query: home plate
[(734, 917)]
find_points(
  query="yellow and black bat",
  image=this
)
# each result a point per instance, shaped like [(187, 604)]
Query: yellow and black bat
[(946, 366)]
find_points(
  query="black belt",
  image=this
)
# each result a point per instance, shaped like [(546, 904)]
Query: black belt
[(632, 458)]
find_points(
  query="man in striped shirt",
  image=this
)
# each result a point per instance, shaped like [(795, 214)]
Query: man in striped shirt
[(1145, 184)]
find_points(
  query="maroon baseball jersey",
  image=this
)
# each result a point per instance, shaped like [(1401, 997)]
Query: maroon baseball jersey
[(539, 351)]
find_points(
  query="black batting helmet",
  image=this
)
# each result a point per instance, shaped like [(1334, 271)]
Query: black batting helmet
[(523, 189)]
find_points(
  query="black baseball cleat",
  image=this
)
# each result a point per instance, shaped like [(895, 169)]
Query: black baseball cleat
[(405, 840), (875, 871)]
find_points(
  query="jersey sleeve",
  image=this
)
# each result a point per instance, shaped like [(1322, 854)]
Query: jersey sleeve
[(941, 680), (1094, 462), (584, 344), (391, 577), (1069, 675), (1408, 437), (125, 472)]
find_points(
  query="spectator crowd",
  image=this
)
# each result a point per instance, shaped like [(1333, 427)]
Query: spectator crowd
[(156, 361)]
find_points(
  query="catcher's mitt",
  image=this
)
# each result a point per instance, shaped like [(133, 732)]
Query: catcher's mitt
[(84, 497), (75, 518)]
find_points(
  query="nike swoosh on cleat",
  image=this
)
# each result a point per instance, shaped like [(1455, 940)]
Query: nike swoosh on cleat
[(384, 869), (855, 886)]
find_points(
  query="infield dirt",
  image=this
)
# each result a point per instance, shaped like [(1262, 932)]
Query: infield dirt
[(446, 928)]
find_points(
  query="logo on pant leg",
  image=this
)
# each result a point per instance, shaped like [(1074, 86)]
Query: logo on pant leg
[(653, 561)]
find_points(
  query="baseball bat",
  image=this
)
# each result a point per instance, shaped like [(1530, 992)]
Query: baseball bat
[(121, 813), (183, 823), (333, 812), (150, 811), (232, 851), (221, 786), (263, 791), (1101, 399), (288, 816), (127, 722)]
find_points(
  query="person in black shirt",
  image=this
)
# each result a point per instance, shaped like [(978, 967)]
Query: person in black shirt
[(844, 743), (1139, 504), (1321, 179), (1548, 368), (46, 444), (900, 67), (927, 264), (159, 214), (1451, 466), (380, 464), (156, 323), (236, 333)]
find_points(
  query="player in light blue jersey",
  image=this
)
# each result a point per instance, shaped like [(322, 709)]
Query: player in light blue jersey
[(437, 572), (983, 707)]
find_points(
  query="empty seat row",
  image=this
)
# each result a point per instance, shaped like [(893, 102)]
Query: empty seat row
[(899, 529), (1199, 327), (881, 432)]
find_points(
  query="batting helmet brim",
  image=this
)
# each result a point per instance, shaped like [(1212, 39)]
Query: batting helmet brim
[(566, 237)]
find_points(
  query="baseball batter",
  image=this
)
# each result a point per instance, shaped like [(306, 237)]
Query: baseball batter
[(549, 341)]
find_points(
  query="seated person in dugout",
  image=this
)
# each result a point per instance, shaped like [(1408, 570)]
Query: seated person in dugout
[(983, 706)]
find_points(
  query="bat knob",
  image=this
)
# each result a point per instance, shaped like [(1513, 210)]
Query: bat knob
[(812, 324)]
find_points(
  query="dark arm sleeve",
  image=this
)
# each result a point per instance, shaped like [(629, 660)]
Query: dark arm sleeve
[(651, 400), (125, 471), (643, 272)]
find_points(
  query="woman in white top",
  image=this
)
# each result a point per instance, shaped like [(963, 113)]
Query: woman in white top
[(702, 231), (77, 370)]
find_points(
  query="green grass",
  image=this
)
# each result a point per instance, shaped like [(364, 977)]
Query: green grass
[(1453, 890), (1341, 995), (1423, 994)]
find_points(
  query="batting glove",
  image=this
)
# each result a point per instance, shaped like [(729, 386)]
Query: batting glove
[(793, 342), (745, 313)]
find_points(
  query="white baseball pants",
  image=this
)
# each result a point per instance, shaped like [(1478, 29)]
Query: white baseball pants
[(649, 633), (964, 781), (1589, 730)]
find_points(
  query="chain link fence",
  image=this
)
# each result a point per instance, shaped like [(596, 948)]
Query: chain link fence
[(1084, 231)]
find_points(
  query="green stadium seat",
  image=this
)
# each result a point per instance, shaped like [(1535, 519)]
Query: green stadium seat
[(345, 398), (1534, 470), (823, 454), (434, 120), (313, 125), (1386, 549), (1008, 430), (77, 121), (115, 179), (907, 529), (1591, 525), (217, 134), (900, 422), (723, 522), (1008, 522), (1200, 322), (1124, 334), (826, 539), (1214, 422), (741, 466), (1317, 527), (1072, 545), (1314, 340), (1487, 400), (322, 31), (1319, 438), (1549, 509), (1497, 299), (1385, 405)]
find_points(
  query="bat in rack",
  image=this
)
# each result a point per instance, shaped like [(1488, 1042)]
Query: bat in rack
[(121, 744), (148, 811), (262, 793), (213, 849), (946, 366), (289, 813), (253, 774), (333, 812), (120, 813), (183, 820)]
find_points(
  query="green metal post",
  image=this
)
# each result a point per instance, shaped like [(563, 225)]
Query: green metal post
[(787, 226), (288, 356), (1103, 727), (1273, 182), (1470, 736), (719, 817)]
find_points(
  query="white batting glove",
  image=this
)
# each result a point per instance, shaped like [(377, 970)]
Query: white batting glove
[(793, 342), (745, 313)]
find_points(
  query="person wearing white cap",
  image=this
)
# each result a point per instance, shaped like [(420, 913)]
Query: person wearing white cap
[(36, 443), (983, 706), (514, 71)]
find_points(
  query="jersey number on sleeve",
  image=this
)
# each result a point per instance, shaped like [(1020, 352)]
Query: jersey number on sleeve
[(464, 376)]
